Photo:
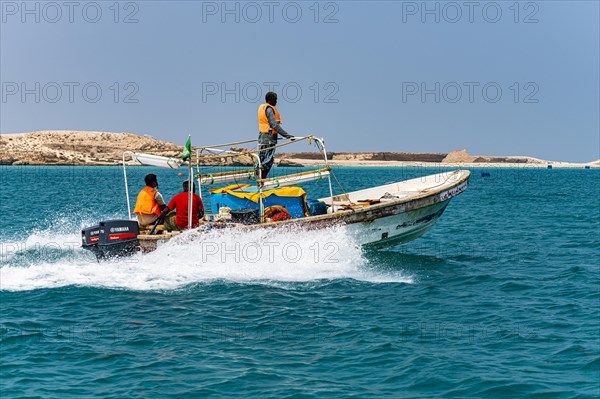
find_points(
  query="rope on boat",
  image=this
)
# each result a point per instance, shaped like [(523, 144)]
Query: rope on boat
[(343, 191)]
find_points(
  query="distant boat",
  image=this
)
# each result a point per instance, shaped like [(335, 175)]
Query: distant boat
[(378, 217)]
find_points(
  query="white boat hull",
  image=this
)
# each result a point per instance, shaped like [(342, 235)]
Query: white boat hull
[(397, 229)]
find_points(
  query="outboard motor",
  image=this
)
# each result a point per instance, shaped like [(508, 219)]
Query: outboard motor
[(111, 238)]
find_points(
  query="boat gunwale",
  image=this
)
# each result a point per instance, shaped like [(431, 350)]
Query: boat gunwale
[(465, 175)]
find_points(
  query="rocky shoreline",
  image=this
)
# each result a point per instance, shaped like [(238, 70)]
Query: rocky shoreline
[(58, 147)]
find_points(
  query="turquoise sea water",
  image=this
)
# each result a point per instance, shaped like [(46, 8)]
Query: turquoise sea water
[(500, 300)]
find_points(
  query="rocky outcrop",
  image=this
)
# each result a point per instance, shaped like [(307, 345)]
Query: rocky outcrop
[(458, 156), (52, 147), (289, 164)]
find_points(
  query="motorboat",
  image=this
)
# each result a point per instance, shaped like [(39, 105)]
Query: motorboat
[(379, 217)]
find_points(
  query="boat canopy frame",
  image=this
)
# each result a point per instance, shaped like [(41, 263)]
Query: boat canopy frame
[(215, 151)]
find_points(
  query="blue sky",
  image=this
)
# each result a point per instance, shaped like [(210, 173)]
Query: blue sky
[(496, 78)]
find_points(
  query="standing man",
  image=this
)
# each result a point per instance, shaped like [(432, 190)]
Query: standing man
[(269, 125), (149, 203), (177, 211)]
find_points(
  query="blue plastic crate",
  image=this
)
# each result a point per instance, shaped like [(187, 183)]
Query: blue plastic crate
[(316, 207)]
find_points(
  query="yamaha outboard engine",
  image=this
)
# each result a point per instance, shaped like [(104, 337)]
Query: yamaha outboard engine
[(111, 238)]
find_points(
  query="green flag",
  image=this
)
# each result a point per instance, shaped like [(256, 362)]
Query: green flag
[(187, 150)]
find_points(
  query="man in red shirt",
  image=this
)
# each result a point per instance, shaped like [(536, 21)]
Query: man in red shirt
[(179, 220)]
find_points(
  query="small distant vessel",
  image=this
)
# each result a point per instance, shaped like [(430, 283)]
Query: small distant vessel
[(378, 217)]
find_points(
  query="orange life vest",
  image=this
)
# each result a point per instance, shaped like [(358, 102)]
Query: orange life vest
[(263, 121), (146, 203)]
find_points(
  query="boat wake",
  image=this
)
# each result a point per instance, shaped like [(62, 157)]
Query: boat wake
[(52, 259)]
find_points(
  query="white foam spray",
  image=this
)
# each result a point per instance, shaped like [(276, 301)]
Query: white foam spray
[(266, 256)]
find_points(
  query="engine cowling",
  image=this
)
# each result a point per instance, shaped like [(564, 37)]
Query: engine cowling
[(111, 238)]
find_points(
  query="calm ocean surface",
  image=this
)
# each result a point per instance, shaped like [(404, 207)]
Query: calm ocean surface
[(500, 300)]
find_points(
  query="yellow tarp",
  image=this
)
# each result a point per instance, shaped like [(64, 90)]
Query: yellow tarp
[(253, 195)]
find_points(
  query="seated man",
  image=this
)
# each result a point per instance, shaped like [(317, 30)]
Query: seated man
[(179, 220), (149, 202)]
